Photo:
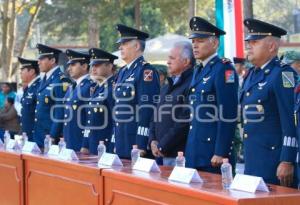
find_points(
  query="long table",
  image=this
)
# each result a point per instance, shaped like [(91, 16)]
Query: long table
[(50, 181), (11, 178), (127, 187), (53, 182)]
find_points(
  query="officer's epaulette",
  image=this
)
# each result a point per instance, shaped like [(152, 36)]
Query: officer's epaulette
[(145, 62), (283, 65), (226, 61)]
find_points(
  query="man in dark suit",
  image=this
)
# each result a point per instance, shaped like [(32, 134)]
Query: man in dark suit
[(167, 133)]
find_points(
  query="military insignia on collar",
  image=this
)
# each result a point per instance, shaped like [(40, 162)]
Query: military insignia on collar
[(288, 80), (74, 107), (46, 100), (144, 62), (206, 79), (267, 71), (229, 76), (148, 75)]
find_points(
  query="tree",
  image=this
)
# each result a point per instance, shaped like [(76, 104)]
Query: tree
[(10, 11)]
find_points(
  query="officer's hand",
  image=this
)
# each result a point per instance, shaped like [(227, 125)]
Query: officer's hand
[(142, 153), (84, 150), (285, 173), (216, 161), (154, 148)]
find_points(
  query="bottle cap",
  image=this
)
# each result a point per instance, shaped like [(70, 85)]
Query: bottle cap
[(180, 154), (225, 160)]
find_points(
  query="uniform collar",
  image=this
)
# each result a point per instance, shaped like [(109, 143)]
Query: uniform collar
[(106, 80), (205, 62), (79, 80), (50, 72), (130, 64), (33, 81)]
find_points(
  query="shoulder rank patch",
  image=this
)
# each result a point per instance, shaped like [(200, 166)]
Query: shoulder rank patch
[(226, 60), (148, 75), (229, 76), (288, 80)]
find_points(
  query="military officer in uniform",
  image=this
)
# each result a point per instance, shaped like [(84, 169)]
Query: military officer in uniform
[(214, 99), (136, 86), (30, 77), (76, 98), (99, 112), (54, 84), (266, 98)]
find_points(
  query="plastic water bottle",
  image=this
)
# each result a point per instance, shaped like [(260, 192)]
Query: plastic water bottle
[(6, 138), (180, 160), (62, 144), (101, 149), (135, 154), (23, 139), (47, 144), (226, 170)]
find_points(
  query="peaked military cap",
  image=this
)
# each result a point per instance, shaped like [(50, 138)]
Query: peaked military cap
[(99, 56), (128, 33), (259, 29), (239, 60), (28, 63), (201, 28), (77, 56), (47, 51)]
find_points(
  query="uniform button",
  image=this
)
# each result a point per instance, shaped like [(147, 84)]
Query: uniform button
[(191, 115), (245, 121), (208, 139), (35, 111), (65, 124), (272, 148), (106, 140), (21, 124), (202, 91), (89, 112), (90, 103), (160, 149), (89, 121), (117, 124), (132, 93), (124, 93), (192, 102), (229, 153), (118, 89), (193, 89), (245, 136), (101, 109), (259, 101), (66, 115), (247, 94), (117, 112), (117, 101), (231, 147), (191, 127), (232, 142), (246, 107), (37, 102), (35, 120)]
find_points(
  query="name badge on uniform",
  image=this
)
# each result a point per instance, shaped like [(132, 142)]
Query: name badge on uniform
[(288, 80), (229, 76), (148, 75)]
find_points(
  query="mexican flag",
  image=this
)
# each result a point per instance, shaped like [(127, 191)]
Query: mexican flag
[(229, 17)]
